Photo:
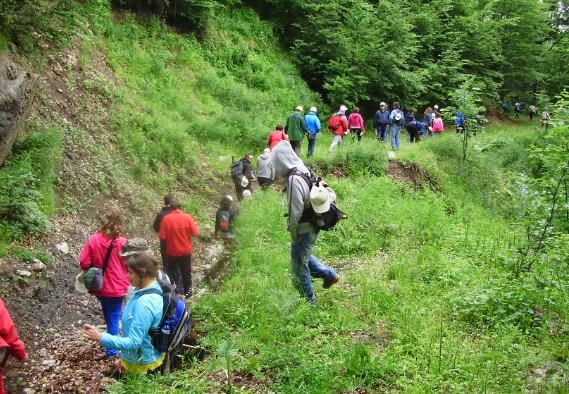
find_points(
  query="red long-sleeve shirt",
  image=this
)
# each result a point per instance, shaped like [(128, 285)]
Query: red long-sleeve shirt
[(9, 340), (177, 230)]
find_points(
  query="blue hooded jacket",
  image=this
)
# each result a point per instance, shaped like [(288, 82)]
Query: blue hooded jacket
[(312, 123), (141, 313)]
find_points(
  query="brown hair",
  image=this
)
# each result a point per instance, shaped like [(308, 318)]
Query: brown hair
[(428, 110), (356, 110), (112, 223), (143, 264), (396, 105), (279, 127)]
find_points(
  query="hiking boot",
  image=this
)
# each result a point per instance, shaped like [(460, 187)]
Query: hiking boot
[(328, 282)]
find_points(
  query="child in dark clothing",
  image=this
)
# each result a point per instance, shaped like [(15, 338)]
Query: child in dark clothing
[(224, 217)]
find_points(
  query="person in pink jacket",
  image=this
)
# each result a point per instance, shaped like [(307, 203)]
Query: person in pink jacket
[(115, 279), (356, 123), (438, 125)]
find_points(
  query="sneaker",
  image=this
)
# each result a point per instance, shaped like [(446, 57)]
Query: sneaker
[(328, 282)]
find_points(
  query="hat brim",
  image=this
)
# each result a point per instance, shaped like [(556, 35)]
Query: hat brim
[(321, 208), (131, 252), (80, 283)]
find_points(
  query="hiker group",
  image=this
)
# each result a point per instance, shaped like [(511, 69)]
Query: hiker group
[(532, 111)]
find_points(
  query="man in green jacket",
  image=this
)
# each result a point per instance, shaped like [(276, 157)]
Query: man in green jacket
[(296, 129)]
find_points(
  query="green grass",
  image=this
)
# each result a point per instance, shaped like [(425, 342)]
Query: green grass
[(425, 302)]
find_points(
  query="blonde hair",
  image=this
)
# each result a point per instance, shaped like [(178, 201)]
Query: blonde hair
[(112, 223)]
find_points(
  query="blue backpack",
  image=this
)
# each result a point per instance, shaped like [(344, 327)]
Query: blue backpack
[(175, 322)]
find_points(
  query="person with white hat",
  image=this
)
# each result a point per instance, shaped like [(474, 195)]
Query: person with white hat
[(338, 125), (303, 234), (244, 176), (296, 128), (314, 127), (381, 122)]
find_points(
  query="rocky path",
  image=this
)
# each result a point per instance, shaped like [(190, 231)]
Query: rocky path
[(49, 314)]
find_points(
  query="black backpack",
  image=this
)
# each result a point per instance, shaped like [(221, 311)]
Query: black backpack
[(321, 221), (237, 169)]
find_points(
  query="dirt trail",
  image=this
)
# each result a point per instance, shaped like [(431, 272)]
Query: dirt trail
[(50, 314)]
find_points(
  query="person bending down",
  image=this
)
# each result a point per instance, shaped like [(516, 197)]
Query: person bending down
[(142, 312)]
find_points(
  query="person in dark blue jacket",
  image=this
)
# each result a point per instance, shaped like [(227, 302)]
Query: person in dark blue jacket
[(381, 122), (459, 122)]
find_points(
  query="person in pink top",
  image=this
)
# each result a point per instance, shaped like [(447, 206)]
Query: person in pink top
[(356, 123), (438, 125), (115, 280)]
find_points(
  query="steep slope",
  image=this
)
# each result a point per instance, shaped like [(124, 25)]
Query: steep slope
[(126, 113)]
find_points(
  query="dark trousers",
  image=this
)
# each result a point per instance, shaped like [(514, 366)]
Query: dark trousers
[(240, 189), (264, 182), (296, 146), (179, 269), (357, 133), (413, 134), (381, 132)]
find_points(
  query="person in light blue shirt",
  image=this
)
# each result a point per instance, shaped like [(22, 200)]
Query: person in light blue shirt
[(313, 126), (142, 313)]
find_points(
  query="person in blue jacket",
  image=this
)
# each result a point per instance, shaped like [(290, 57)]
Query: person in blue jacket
[(459, 122), (314, 127), (141, 313)]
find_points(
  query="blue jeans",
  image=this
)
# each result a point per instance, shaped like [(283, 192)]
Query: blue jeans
[(311, 145), (112, 309), (304, 266), (395, 131)]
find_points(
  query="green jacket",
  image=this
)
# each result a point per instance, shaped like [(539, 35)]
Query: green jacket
[(296, 127)]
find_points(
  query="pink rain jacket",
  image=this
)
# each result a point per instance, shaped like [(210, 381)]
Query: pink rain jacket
[(115, 283)]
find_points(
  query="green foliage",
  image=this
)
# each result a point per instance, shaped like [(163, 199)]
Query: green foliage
[(26, 185), (32, 24), (353, 159)]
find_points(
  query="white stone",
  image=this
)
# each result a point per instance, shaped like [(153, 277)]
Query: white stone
[(24, 273), (62, 248)]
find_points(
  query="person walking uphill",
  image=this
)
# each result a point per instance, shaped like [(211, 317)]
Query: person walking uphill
[(242, 175), (10, 343), (296, 128), (338, 125), (356, 123), (304, 265), (396, 121), (381, 122), (265, 170), (166, 209), (276, 136), (313, 126), (177, 230), (102, 251)]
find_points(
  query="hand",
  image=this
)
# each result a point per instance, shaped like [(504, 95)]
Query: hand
[(91, 333)]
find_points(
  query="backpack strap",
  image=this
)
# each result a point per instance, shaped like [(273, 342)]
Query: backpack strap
[(107, 256), (165, 303), (301, 174)]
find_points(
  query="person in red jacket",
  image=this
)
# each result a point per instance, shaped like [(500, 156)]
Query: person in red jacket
[(115, 279), (10, 343), (277, 136), (177, 230), (338, 125)]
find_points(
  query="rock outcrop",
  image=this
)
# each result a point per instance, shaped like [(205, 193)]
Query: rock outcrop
[(16, 98)]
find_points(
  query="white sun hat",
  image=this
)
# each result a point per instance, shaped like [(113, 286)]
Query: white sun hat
[(321, 197), (80, 283), (244, 181)]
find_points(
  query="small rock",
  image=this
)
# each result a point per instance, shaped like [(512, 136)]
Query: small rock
[(62, 248), (37, 265), (57, 68), (28, 391), (60, 90), (49, 363), (71, 60), (23, 273), (391, 155)]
